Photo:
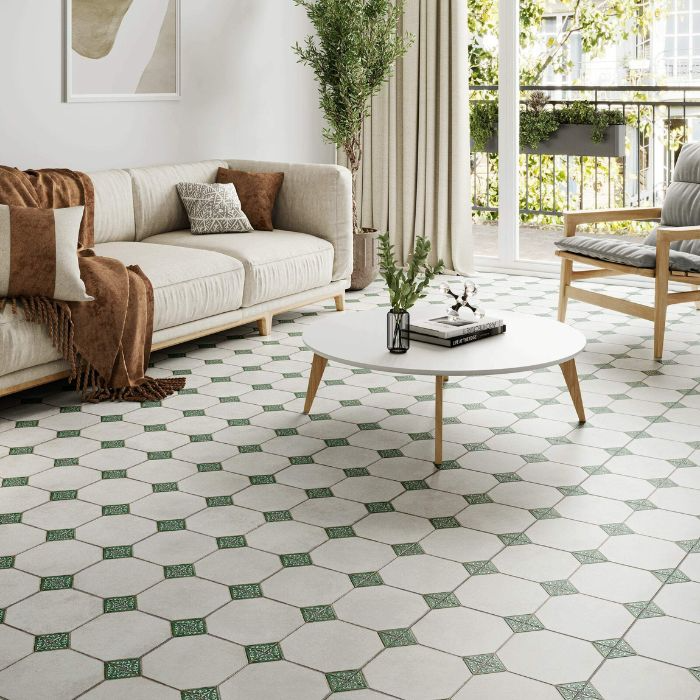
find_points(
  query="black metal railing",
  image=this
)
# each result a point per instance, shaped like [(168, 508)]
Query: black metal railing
[(658, 119)]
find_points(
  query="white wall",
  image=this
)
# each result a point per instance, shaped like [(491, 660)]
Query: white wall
[(243, 94)]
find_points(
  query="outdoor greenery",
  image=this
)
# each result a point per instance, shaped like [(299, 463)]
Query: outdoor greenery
[(407, 285), (352, 55)]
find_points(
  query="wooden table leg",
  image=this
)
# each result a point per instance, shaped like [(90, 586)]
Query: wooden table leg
[(568, 369), (317, 366), (439, 382)]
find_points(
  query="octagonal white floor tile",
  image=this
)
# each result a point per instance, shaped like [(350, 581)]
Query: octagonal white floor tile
[(554, 658), (193, 662), (353, 554), (495, 518), (329, 512), (491, 461), (51, 611), (520, 445), (14, 644), (254, 621), (642, 467), (576, 455), (488, 418), (276, 680), (160, 441), (622, 584), (61, 557), (462, 631), (665, 523), (367, 489), (168, 505), (251, 463), (379, 439), (461, 481), (416, 673), (21, 498), (345, 456), (393, 528), (26, 437), (24, 465), (238, 565), (16, 585), (401, 468), (424, 573), (679, 499), (585, 617), (174, 547), (239, 409), (111, 431), (58, 675), (324, 429), (643, 552), (16, 538), (224, 520), (306, 476), (381, 607), (462, 544), (122, 635), (156, 471), (214, 483), (295, 446), (183, 598), (536, 563), (73, 477), (617, 486), (331, 646), (566, 534), (112, 530), (425, 450), (494, 686), (552, 474), (132, 688), (244, 435), (204, 452), (501, 594), (109, 491), (637, 678), (594, 509), (523, 494), (429, 503), (269, 497), (118, 577), (286, 536), (662, 449), (681, 601), (303, 586)]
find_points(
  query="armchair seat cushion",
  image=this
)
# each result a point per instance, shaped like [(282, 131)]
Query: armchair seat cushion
[(623, 253)]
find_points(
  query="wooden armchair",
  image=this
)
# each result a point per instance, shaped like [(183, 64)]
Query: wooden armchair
[(661, 274)]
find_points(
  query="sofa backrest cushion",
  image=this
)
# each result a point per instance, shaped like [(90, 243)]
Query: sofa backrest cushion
[(114, 206), (157, 205), (682, 203)]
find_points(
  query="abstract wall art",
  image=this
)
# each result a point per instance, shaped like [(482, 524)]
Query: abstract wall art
[(122, 50)]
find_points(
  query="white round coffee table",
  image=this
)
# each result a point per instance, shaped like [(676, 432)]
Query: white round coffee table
[(358, 339)]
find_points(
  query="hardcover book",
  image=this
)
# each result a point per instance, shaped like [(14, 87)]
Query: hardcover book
[(468, 337), (441, 327)]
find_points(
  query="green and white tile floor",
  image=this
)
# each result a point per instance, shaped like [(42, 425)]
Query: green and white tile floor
[(223, 545)]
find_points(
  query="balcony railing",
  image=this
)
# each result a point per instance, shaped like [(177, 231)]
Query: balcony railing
[(659, 120)]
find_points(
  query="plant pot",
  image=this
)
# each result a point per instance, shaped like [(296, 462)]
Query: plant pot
[(398, 338), (365, 264)]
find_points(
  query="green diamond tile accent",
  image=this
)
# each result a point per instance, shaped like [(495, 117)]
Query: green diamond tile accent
[(316, 416), (614, 648), (544, 513), (262, 479), (350, 402), (366, 578), (484, 663), (318, 613), (398, 411), (407, 549), (67, 495), (187, 628), (662, 483), (243, 591), (10, 518), (26, 423), (336, 533), (68, 433), (114, 474), (198, 411), (111, 419), (162, 454), (70, 409), (2, 615), (379, 507), (643, 609), (218, 501), (475, 499), (561, 587), (506, 477), (231, 542), (437, 601), (480, 568), (122, 668), (171, 525), (67, 533), (401, 637), (297, 559), (514, 538), (17, 451), (117, 509), (52, 642), (615, 529), (387, 454), (209, 467), (154, 428), (15, 481), (301, 460), (369, 426), (66, 462), (260, 653), (248, 449), (670, 576), (420, 436), (415, 485), (444, 522), (233, 422), (201, 438), (112, 444), (533, 458), (178, 570), (356, 471), (336, 442), (640, 504), (343, 681), (696, 672), (117, 552), (572, 490), (165, 487), (524, 623), (590, 556), (277, 516), (690, 546), (319, 493), (581, 690), (125, 603), (56, 583)]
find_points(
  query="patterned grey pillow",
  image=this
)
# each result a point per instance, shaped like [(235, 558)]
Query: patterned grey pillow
[(213, 208)]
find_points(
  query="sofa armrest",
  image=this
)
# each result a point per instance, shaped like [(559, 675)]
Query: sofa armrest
[(595, 216), (678, 233), (314, 199)]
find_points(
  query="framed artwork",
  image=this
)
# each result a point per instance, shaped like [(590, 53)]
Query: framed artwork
[(120, 50)]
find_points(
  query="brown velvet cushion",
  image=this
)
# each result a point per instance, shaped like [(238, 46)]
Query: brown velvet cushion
[(257, 192)]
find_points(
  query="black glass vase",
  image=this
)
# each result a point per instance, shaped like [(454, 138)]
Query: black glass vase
[(397, 334)]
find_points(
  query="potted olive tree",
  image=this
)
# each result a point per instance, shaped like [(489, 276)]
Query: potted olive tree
[(353, 54)]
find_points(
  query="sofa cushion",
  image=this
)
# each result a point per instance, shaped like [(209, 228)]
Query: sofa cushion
[(277, 263), (157, 205), (187, 284), (634, 254), (114, 206)]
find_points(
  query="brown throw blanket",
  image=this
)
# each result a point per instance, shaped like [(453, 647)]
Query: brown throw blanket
[(107, 342)]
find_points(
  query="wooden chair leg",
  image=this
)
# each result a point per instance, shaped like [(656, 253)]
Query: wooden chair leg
[(697, 303), (570, 373), (340, 302), (265, 325), (567, 267), (660, 297)]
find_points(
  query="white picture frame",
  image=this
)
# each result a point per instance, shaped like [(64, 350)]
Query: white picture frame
[(69, 63)]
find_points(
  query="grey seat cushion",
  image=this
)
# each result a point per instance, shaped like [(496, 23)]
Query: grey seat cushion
[(640, 255)]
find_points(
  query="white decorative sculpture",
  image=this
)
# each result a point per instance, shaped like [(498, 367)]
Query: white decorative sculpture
[(462, 309)]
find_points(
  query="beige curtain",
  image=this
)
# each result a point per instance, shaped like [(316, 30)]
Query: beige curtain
[(415, 174)]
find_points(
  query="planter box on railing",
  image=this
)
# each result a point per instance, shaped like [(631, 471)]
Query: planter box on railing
[(575, 140)]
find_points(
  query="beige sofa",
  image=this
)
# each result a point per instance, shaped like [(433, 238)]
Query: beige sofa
[(205, 283)]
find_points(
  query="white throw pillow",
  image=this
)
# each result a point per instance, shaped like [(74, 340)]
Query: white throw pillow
[(213, 208)]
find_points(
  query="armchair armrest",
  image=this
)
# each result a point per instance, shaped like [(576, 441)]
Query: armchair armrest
[(314, 199), (677, 233), (595, 216)]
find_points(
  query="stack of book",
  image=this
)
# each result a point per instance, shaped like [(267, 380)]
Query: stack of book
[(442, 331)]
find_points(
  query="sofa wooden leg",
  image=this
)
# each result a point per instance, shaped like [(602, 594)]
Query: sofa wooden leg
[(339, 302), (265, 324), (567, 267), (660, 297)]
